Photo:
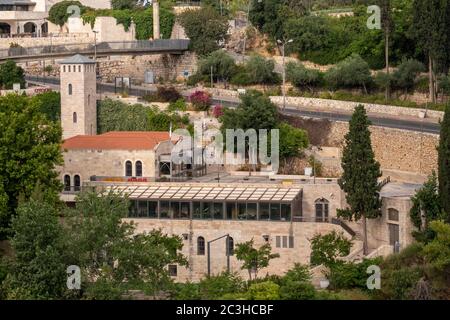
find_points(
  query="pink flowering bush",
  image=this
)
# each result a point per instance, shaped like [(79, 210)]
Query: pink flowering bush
[(201, 100), (217, 111)]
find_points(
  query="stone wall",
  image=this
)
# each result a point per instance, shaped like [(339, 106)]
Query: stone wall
[(57, 39), (240, 231)]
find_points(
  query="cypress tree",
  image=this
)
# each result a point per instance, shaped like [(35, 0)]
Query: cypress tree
[(361, 172), (444, 162)]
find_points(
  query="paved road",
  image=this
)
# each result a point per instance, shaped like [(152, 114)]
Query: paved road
[(377, 120)]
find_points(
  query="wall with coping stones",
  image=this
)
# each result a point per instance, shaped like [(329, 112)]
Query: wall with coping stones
[(58, 39)]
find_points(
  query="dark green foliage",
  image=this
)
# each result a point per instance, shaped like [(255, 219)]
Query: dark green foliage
[(325, 249), (30, 149), (38, 270), (168, 94), (264, 291), (296, 290), (215, 287), (444, 163), (123, 4), (118, 116), (349, 73), (406, 75), (261, 70), (302, 77), (361, 172), (11, 73), (223, 66), (428, 200), (349, 275), (254, 259), (58, 12), (49, 104), (205, 27), (292, 140)]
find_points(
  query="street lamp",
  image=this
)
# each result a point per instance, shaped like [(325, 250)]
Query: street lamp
[(283, 47), (95, 44), (227, 248)]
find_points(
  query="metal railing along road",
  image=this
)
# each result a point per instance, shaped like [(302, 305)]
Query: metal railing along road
[(171, 45)]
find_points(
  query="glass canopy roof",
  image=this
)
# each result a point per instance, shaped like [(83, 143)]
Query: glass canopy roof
[(203, 193)]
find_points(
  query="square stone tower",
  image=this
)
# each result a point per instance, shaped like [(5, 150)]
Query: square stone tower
[(78, 96)]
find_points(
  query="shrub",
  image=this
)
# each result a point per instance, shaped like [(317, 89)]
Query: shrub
[(327, 248), (179, 105), (201, 100), (301, 76), (168, 94), (215, 287), (264, 291), (351, 72), (261, 70), (217, 111), (297, 290), (222, 65)]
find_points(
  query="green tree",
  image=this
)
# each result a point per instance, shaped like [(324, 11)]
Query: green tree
[(38, 269), (325, 249), (406, 74), (426, 202), (444, 162), (215, 287), (206, 28), (123, 4), (431, 21), (49, 104), (29, 153), (254, 259), (302, 77), (361, 172), (11, 73), (351, 72), (292, 141), (261, 70), (220, 63)]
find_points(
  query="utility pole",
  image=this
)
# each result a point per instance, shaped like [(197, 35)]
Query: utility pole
[(227, 236), (283, 48)]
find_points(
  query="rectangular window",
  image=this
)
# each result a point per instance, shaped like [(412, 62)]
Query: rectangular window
[(242, 211), (185, 210), (218, 211), (285, 239), (275, 211), (264, 211), (285, 212), (231, 211), (142, 209), (175, 209), (197, 214), (291, 242), (251, 211), (164, 210), (173, 270), (278, 241), (153, 209), (393, 215), (132, 212)]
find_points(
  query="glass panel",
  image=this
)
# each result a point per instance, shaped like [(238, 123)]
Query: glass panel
[(197, 210), (291, 242), (185, 210), (153, 209), (319, 212), (175, 209), (264, 211), (275, 211), (285, 241), (251, 211), (206, 210), (142, 209), (285, 212), (393, 215), (278, 241), (242, 211), (164, 210), (218, 211), (132, 209), (231, 211)]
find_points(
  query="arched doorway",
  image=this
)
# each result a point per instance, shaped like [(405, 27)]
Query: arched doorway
[(322, 209), (5, 30), (29, 28)]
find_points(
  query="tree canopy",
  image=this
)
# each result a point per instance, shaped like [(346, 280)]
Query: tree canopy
[(11, 73)]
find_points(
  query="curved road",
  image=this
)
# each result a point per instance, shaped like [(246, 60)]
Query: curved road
[(379, 120)]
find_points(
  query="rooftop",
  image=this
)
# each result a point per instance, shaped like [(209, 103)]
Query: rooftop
[(77, 59), (126, 140), (211, 193)]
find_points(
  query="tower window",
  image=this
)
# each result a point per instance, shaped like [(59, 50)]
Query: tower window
[(69, 68), (79, 68), (200, 246), (66, 182), (64, 68), (128, 169), (77, 182), (138, 169), (74, 116), (70, 88)]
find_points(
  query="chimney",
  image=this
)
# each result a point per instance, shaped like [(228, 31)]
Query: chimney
[(156, 33)]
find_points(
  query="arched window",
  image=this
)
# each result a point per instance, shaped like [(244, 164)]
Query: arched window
[(393, 214), (66, 182), (89, 99), (138, 169), (128, 169), (322, 208), (70, 87), (77, 182), (229, 249), (200, 246), (74, 117), (79, 68)]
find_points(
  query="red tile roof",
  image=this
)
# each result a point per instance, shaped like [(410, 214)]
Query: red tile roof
[(116, 140)]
